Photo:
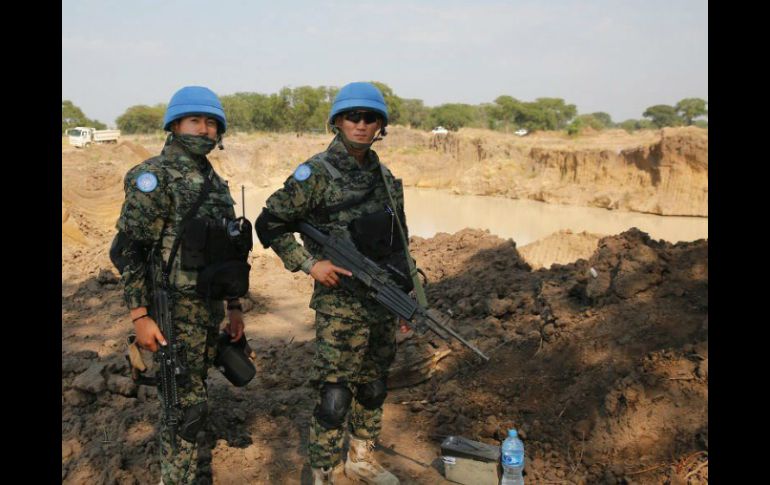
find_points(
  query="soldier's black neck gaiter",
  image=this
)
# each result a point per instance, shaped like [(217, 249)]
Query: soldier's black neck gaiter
[(196, 144)]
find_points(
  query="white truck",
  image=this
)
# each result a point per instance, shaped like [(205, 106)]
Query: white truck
[(82, 136), (440, 130)]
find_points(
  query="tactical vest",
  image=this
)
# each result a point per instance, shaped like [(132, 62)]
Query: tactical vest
[(370, 225)]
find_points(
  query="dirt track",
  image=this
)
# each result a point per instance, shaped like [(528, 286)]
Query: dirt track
[(606, 377)]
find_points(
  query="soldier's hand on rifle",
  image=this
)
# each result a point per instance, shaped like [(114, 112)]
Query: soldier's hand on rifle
[(147, 332), (326, 273), (235, 325)]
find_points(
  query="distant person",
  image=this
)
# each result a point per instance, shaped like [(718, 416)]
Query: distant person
[(161, 205), (344, 190)]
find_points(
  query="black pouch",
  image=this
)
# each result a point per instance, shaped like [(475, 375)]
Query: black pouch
[(225, 280), (375, 234), (233, 360), (194, 241)]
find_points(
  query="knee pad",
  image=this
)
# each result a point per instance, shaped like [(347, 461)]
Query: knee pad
[(193, 420), (372, 394), (335, 401)]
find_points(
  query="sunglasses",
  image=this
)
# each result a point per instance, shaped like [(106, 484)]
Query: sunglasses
[(369, 117)]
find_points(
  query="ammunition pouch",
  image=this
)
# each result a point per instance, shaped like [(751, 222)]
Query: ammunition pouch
[(233, 359), (375, 236), (218, 251)]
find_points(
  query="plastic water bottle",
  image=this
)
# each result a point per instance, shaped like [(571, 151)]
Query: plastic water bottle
[(512, 457)]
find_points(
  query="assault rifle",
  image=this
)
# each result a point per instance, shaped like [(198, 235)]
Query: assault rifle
[(169, 357), (344, 254)]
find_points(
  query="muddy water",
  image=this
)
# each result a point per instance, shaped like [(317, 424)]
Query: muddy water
[(431, 211)]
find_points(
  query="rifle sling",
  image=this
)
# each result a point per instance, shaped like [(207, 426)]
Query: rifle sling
[(187, 217), (418, 289)]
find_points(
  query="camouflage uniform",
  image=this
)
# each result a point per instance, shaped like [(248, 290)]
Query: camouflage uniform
[(154, 217), (355, 335)]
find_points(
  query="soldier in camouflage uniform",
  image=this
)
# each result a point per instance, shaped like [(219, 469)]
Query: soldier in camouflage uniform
[(355, 336), (158, 194)]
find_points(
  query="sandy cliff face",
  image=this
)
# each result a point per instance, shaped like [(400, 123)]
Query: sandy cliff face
[(661, 172), (669, 177)]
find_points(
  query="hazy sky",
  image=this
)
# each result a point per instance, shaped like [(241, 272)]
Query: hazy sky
[(614, 56)]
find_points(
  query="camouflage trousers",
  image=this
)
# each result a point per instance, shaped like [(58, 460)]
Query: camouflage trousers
[(196, 327), (351, 352)]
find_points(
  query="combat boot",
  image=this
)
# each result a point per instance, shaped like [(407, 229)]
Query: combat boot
[(362, 465)]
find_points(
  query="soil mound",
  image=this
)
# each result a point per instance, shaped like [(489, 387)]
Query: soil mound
[(605, 376)]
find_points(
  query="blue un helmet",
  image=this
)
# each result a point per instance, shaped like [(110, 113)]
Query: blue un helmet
[(192, 100), (359, 96)]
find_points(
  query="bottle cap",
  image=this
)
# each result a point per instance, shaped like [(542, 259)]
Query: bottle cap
[(513, 433)]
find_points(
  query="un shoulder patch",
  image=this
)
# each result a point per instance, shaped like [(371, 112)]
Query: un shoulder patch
[(303, 172), (147, 182)]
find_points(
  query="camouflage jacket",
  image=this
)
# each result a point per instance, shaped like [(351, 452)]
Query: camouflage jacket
[(308, 193), (153, 216)]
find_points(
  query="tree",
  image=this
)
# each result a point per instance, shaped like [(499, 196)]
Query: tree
[(452, 116), (629, 125), (271, 113), (552, 113), (142, 119), (633, 125), (690, 108), (576, 126), (542, 114), (414, 113), (309, 107), (663, 115), (589, 121), (604, 118), (238, 109), (646, 125), (72, 116), (507, 112)]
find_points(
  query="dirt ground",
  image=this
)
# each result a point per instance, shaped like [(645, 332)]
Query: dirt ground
[(605, 376)]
